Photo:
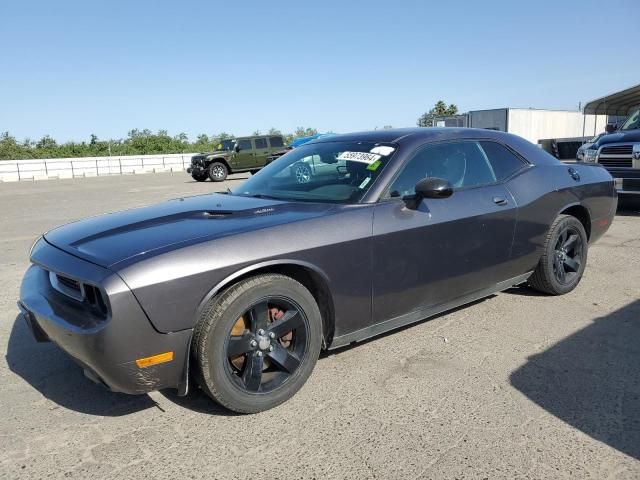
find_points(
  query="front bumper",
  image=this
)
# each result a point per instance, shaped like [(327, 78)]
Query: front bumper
[(627, 181), (106, 346)]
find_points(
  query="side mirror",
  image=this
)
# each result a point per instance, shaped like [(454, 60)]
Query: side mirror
[(610, 128), (434, 187), (237, 149)]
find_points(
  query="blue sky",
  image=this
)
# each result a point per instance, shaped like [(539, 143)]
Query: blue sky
[(72, 68)]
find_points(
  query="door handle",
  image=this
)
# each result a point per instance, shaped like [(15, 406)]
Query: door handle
[(500, 200)]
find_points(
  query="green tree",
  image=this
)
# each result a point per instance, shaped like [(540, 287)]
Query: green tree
[(439, 109), (137, 142)]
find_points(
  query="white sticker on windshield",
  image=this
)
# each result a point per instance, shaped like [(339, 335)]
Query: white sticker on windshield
[(359, 157), (383, 150), (364, 183)]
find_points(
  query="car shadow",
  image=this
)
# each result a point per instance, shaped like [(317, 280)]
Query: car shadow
[(55, 375), (525, 291), (198, 401), (591, 379)]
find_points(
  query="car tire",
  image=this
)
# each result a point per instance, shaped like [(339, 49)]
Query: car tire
[(232, 322), (217, 172), (301, 173), (253, 172), (200, 177), (564, 258)]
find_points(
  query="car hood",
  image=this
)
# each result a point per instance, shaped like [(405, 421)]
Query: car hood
[(130, 235), (628, 136)]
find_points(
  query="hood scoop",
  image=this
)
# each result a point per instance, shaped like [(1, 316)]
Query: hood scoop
[(217, 213)]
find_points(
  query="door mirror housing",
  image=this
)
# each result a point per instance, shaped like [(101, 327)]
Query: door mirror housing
[(237, 149), (433, 187)]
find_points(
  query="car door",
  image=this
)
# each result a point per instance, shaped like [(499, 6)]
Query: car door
[(243, 157), (261, 151), (444, 248)]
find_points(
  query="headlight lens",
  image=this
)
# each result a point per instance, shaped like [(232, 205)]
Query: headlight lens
[(590, 155)]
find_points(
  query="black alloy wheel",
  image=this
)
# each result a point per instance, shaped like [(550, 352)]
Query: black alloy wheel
[(266, 345), (564, 257), (257, 342), (567, 255)]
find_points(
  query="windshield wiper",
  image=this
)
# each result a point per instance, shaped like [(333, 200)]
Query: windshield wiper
[(262, 195)]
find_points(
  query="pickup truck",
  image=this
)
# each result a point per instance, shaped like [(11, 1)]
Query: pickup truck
[(619, 153), (243, 154)]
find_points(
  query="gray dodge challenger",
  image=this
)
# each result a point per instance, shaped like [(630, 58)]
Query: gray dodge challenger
[(240, 291)]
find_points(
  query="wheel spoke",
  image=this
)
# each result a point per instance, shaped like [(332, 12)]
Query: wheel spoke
[(238, 345), (570, 242), (289, 322), (560, 271), (283, 358), (572, 264), (259, 316), (557, 266), (252, 375)]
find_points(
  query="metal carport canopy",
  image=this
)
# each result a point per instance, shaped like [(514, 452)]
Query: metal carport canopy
[(618, 103)]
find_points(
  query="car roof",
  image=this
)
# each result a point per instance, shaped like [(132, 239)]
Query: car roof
[(419, 135), (401, 135)]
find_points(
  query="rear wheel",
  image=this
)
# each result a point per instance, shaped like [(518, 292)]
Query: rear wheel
[(257, 343), (200, 176), (564, 259), (302, 173), (218, 172)]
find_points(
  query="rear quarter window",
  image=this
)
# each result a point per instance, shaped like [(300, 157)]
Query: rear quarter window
[(503, 161)]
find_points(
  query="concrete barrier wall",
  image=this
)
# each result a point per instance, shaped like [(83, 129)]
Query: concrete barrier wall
[(50, 168)]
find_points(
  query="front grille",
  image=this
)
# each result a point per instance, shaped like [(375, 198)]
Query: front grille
[(615, 162), (617, 150), (67, 286), (69, 283), (89, 295), (631, 184)]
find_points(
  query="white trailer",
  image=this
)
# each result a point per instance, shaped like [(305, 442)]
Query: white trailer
[(536, 124)]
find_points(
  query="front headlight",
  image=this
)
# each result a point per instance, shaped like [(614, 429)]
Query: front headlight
[(590, 156)]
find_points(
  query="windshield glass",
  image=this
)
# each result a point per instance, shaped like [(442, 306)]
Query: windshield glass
[(224, 145), (633, 122), (336, 172)]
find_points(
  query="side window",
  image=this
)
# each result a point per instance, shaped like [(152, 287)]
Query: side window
[(244, 144), (504, 162), (462, 163), (260, 143), (276, 142)]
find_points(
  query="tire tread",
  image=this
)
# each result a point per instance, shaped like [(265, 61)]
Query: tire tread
[(211, 314)]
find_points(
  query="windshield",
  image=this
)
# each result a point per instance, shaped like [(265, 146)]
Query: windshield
[(224, 145), (336, 172), (633, 122)]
